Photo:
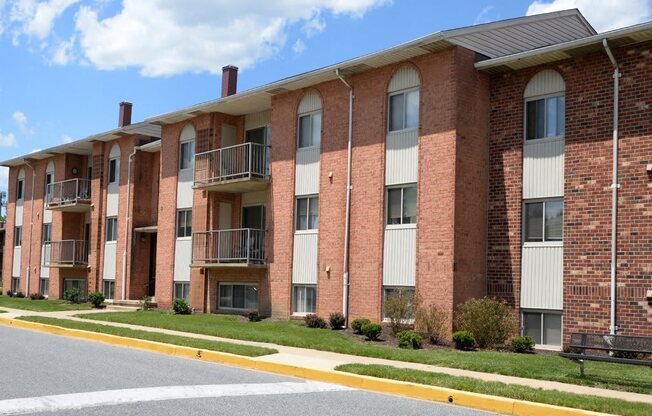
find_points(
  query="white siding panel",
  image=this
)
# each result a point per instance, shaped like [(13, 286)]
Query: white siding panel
[(254, 198), (543, 169), (15, 271), (542, 277), (304, 265), (18, 219), (399, 257), (184, 188), (306, 180), (406, 77), (544, 83), (229, 135), (182, 259), (109, 261), (45, 258), (256, 120), (47, 215), (310, 102), (402, 157), (113, 189)]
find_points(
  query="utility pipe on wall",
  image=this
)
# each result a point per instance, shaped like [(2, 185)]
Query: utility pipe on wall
[(31, 228), (613, 328), (347, 221), (124, 253)]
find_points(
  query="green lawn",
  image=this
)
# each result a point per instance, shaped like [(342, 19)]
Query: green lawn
[(295, 334), (246, 350), (591, 403), (44, 305)]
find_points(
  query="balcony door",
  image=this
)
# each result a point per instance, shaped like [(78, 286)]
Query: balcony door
[(225, 243), (259, 136), (253, 217)]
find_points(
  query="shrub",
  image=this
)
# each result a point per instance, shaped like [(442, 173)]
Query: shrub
[(336, 320), (429, 321), (628, 355), (96, 299), (314, 321), (409, 339), (36, 296), (10, 293), (398, 309), (491, 322), (180, 307), (253, 316), (463, 340), (146, 303), (73, 295), (523, 344), (357, 325), (372, 331), (19, 294)]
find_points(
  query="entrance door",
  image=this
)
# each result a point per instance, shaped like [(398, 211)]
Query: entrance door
[(151, 282)]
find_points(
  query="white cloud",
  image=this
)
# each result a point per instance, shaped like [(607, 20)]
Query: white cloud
[(298, 46), (7, 140), (36, 19), (66, 139), (63, 52), (483, 16), (20, 118), (603, 15)]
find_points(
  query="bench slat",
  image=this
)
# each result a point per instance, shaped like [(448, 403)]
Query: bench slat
[(625, 343), (605, 359)]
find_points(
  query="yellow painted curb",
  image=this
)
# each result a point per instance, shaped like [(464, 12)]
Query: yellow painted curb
[(417, 391)]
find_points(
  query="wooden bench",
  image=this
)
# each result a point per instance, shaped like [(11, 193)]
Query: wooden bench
[(609, 343)]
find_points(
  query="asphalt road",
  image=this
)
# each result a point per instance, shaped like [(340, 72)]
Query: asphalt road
[(63, 376)]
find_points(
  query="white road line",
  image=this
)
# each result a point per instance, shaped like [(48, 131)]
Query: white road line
[(126, 396)]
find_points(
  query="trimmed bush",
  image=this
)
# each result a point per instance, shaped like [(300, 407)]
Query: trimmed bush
[(490, 321), (357, 324), (73, 295), (253, 316), (10, 293), (372, 331), (96, 299), (314, 321), (19, 294), (336, 320), (463, 340), (398, 310), (429, 321), (409, 340), (36, 296), (146, 303), (523, 344), (628, 355), (180, 307)]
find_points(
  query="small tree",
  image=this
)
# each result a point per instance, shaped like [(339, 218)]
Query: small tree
[(398, 309), (490, 321), (73, 295), (96, 299), (429, 320)]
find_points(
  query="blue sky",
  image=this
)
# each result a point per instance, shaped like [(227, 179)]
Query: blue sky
[(66, 64)]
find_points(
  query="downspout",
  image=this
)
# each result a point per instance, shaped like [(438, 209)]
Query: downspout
[(347, 221), (127, 240), (613, 327), (31, 228)]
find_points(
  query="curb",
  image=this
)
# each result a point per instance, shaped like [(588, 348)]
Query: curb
[(476, 401)]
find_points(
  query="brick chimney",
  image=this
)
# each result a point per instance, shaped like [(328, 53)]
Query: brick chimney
[(229, 80), (124, 118)]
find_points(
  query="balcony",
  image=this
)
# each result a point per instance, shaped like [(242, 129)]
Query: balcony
[(234, 169), (243, 247), (73, 195), (66, 253)]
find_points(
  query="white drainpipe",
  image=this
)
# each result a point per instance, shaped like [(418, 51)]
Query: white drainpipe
[(613, 328), (347, 221), (124, 253)]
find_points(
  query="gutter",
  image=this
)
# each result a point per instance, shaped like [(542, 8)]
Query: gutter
[(31, 228), (127, 240)]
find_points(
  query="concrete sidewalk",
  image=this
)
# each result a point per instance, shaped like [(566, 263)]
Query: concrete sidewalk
[(323, 360)]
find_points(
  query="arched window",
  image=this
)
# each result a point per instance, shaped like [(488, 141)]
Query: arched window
[(309, 121), (114, 164), (545, 106), (403, 100), (187, 148)]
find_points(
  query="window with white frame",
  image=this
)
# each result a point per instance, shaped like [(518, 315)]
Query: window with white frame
[(182, 290), (113, 170), (186, 155), (309, 130), (238, 296), (392, 292), (20, 189), (15, 284), (48, 181), (44, 286), (184, 223), (111, 229), (404, 110), (47, 233), (544, 327), (108, 289), (18, 236), (402, 205), (304, 299), (544, 117), (307, 213), (543, 220), (79, 284)]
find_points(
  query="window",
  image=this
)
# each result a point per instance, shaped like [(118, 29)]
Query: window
[(404, 110), (48, 181), (111, 229), (47, 233), (78, 284), (398, 291), (44, 286), (182, 291), (186, 155), (402, 205), (544, 327), (15, 284), (304, 299), (310, 130), (184, 223), (113, 170), (19, 190), (545, 117), (307, 213), (108, 289), (18, 236), (544, 220), (238, 296)]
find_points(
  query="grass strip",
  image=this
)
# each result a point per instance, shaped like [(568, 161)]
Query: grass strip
[(494, 388), (238, 349), (43, 305), (295, 334)]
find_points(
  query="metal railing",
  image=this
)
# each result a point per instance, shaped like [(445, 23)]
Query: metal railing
[(68, 192), (70, 253), (243, 245), (242, 161)]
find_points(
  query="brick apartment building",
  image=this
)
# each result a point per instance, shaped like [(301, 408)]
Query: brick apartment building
[(479, 161)]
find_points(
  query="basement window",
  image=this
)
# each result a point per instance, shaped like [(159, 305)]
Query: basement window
[(543, 327), (108, 289), (304, 299), (238, 296), (182, 290)]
